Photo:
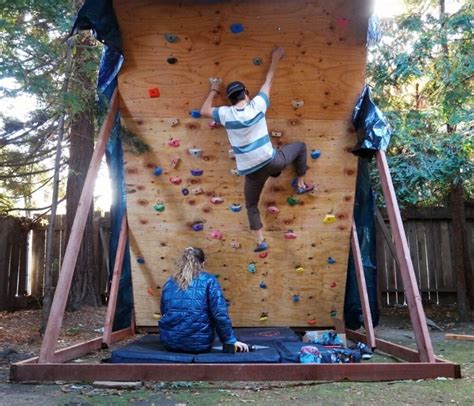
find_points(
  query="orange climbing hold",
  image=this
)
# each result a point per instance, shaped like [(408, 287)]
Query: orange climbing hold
[(154, 92)]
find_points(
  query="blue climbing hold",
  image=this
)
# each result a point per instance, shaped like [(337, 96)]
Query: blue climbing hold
[(252, 268), (296, 298), (294, 182), (236, 28), (331, 260), (195, 113), (185, 191), (235, 207), (141, 260), (158, 171), (197, 172), (263, 285), (315, 153), (198, 226)]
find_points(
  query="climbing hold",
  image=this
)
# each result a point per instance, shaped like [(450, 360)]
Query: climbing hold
[(331, 260), (263, 254), (333, 313), (292, 201), (175, 180), (171, 60), (158, 171), (198, 226), (150, 291), (296, 298), (157, 316), (160, 207), (263, 316), (141, 260), (198, 191), (231, 154), (175, 162), (329, 219), (290, 235), (175, 143), (154, 92), (276, 133), (171, 37), (343, 22), (235, 207), (197, 152), (185, 191), (297, 103), (263, 285), (235, 244), (174, 121), (195, 113), (197, 172), (213, 124), (311, 322), (333, 285), (217, 235), (273, 209), (235, 172), (252, 267), (217, 200), (257, 61), (299, 269), (294, 182), (315, 153), (236, 28)]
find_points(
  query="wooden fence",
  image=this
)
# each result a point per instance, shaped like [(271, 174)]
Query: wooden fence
[(429, 234), (17, 267)]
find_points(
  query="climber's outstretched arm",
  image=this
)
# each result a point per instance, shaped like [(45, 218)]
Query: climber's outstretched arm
[(206, 109), (277, 54)]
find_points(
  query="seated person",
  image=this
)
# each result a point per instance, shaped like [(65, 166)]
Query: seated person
[(193, 307)]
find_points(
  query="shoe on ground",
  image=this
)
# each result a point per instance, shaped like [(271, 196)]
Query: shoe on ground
[(365, 351), (263, 246), (305, 189)]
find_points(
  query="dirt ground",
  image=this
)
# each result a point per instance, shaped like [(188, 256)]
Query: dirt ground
[(19, 339)]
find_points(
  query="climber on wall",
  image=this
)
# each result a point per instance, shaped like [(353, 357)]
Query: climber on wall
[(248, 135)]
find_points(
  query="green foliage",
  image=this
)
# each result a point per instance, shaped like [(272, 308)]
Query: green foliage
[(421, 74), (135, 145)]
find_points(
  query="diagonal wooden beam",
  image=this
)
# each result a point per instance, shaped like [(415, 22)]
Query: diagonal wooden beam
[(74, 244), (364, 297), (417, 314), (109, 318)]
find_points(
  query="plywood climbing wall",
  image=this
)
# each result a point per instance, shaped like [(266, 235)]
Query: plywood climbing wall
[(302, 281)]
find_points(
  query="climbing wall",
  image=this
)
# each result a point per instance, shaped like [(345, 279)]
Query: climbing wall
[(183, 192)]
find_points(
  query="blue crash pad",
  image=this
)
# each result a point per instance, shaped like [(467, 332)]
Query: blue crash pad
[(262, 335), (148, 349), (264, 355)]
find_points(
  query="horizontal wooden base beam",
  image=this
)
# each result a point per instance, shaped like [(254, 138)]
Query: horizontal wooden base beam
[(233, 372)]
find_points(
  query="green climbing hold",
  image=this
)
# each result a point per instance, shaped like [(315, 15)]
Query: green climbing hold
[(292, 201), (160, 207), (333, 313)]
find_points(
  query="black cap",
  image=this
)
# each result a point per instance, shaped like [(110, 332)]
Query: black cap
[(234, 87)]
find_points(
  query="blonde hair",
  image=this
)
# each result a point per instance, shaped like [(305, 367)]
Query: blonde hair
[(189, 267)]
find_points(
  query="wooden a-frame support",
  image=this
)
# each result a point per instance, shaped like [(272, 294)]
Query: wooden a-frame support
[(52, 365)]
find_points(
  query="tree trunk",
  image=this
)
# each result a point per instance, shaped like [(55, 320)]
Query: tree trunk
[(84, 290), (459, 223)]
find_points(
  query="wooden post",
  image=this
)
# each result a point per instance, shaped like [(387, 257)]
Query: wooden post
[(70, 257), (109, 318), (364, 298), (417, 314)]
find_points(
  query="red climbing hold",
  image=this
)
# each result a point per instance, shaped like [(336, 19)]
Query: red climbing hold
[(175, 180), (312, 322), (343, 22), (333, 285), (216, 234), (263, 254), (273, 210), (175, 143), (150, 292), (154, 92)]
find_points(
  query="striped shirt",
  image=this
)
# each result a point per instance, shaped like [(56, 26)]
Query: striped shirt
[(248, 133)]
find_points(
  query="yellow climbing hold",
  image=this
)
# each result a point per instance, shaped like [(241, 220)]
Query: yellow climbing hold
[(299, 269), (263, 318), (329, 219), (157, 316)]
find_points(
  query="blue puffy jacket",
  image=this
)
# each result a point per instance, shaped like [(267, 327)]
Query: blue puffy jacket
[(190, 317)]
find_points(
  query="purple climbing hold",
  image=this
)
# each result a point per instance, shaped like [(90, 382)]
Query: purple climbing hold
[(331, 260), (263, 285), (236, 28), (158, 171), (195, 113), (185, 191), (197, 172), (141, 260), (198, 226)]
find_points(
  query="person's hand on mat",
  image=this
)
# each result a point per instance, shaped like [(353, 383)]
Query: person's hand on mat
[(241, 347)]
